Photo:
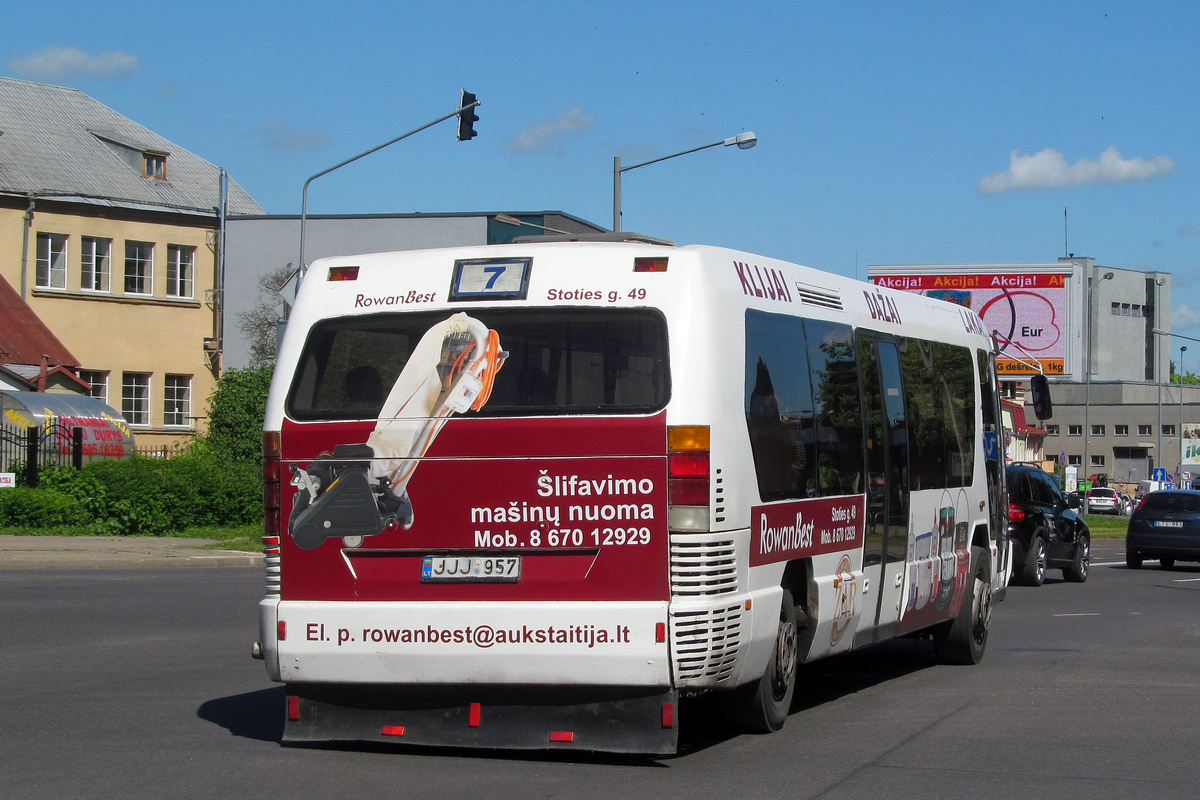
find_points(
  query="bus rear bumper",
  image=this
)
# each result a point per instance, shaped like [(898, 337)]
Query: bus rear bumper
[(613, 719)]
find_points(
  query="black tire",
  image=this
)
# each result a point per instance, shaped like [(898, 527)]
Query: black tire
[(1033, 573), (1078, 571), (1167, 562), (765, 704), (964, 639), (1133, 559)]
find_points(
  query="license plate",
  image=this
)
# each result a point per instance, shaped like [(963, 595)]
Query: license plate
[(1168, 523), (480, 569)]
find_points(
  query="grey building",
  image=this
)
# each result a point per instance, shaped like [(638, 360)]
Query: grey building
[(257, 245)]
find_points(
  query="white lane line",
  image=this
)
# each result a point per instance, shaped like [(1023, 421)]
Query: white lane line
[(1074, 615)]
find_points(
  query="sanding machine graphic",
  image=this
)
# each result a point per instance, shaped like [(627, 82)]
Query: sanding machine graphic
[(361, 489)]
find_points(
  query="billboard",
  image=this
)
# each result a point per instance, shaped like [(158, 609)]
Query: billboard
[(1029, 309)]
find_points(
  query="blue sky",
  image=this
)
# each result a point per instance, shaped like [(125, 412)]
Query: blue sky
[(889, 132)]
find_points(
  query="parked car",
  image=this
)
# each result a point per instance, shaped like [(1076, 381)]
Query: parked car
[(1126, 504), (1102, 501), (1165, 526), (1045, 529)]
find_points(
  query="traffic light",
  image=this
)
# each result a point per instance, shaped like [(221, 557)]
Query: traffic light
[(467, 117)]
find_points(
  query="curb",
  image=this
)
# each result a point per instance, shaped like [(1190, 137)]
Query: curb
[(116, 552)]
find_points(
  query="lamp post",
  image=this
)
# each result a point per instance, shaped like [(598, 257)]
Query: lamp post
[(1087, 390), (744, 141), (1179, 477)]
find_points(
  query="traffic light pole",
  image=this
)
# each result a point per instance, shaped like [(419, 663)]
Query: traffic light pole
[(304, 194)]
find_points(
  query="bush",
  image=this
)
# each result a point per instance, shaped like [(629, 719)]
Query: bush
[(161, 495), (23, 507)]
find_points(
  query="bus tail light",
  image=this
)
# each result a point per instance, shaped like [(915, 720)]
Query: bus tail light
[(687, 477), (343, 274), (648, 264), (272, 502)]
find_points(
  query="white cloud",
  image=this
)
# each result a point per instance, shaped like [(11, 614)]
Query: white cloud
[(1183, 317), (542, 136), (1048, 169), (278, 136), (56, 63)]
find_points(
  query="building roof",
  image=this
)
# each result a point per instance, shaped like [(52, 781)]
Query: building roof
[(59, 143), (24, 338)]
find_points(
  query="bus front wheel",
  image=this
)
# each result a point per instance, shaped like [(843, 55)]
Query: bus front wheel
[(766, 703)]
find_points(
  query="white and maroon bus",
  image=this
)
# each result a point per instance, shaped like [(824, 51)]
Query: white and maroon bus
[(530, 495)]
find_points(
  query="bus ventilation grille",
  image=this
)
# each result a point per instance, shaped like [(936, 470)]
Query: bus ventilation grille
[(816, 296), (706, 642), (702, 565), (271, 562)]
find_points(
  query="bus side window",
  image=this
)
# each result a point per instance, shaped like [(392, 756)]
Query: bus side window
[(803, 410)]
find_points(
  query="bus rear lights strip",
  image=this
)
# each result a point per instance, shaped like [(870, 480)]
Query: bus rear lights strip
[(562, 736), (392, 730), (473, 715)]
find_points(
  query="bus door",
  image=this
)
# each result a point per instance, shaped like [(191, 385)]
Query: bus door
[(886, 546)]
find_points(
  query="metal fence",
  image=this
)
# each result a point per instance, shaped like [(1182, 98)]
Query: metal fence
[(27, 451)]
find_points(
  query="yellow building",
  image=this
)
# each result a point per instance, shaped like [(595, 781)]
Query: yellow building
[(112, 235)]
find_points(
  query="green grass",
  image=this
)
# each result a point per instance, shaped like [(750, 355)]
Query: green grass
[(245, 538), (1107, 526)]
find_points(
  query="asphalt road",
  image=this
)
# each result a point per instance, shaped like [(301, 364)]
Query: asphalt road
[(139, 683)]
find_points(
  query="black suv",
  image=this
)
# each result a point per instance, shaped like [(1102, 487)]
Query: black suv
[(1045, 529)]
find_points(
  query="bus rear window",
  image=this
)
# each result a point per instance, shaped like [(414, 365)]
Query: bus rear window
[(558, 361)]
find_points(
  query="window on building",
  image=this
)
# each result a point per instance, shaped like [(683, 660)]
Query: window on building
[(177, 401), (1052, 430), (1074, 430), (1075, 461), (94, 271), (181, 270), (51, 261), (1097, 430), (1143, 430), (154, 165), (1097, 461), (135, 397), (139, 267), (1168, 430), (1120, 430), (97, 383)]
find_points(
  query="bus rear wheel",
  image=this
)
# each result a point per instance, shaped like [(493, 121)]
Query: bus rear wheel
[(765, 704), (963, 639)]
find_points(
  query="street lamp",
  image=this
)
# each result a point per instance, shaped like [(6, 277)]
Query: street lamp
[(1087, 390), (466, 132), (744, 141)]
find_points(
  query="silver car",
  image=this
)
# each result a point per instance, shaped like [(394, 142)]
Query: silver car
[(1102, 501)]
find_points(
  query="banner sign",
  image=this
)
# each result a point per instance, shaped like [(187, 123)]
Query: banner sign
[(1027, 309)]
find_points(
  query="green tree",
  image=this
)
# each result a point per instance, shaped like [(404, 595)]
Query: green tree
[(261, 323), (236, 412)]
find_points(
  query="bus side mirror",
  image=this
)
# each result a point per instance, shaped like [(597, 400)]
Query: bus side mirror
[(1040, 388)]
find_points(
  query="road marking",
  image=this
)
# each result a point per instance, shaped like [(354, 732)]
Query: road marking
[(1108, 564), (1074, 615), (1186, 580)]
